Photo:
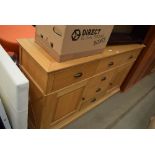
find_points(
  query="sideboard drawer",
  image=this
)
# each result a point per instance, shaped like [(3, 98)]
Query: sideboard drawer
[(97, 84), (131, 56), (115, 61), (71, 75), (109, 63), (92, 100)]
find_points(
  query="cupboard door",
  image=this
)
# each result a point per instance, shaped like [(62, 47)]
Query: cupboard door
[(119, 76), (67, 101)]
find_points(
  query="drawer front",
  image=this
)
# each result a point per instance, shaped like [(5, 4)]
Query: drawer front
[(130, 56), (92, 100), (109, 63), (115, 61), (72, 75), (97, 84)]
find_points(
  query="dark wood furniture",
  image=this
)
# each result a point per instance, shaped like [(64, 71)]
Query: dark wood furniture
[(145, 63)]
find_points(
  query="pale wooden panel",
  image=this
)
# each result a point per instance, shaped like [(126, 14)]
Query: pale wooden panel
[(67, 103), (69, 76), (119, 75), (34, 69), (115, 61)]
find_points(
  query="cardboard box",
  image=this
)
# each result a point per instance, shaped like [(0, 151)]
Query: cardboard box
[(72, 41)]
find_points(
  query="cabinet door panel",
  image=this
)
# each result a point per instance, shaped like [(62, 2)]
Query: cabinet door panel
[(67, 103), (119, 76)]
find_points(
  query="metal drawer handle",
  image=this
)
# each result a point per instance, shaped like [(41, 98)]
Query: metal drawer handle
[(93, 100), (98, 90), (104, 78), (83, 98), (131, 57), (41, 36), (77, 75), (111, 64)]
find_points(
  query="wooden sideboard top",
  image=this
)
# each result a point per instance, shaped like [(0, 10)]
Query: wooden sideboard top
[(50, 65)]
